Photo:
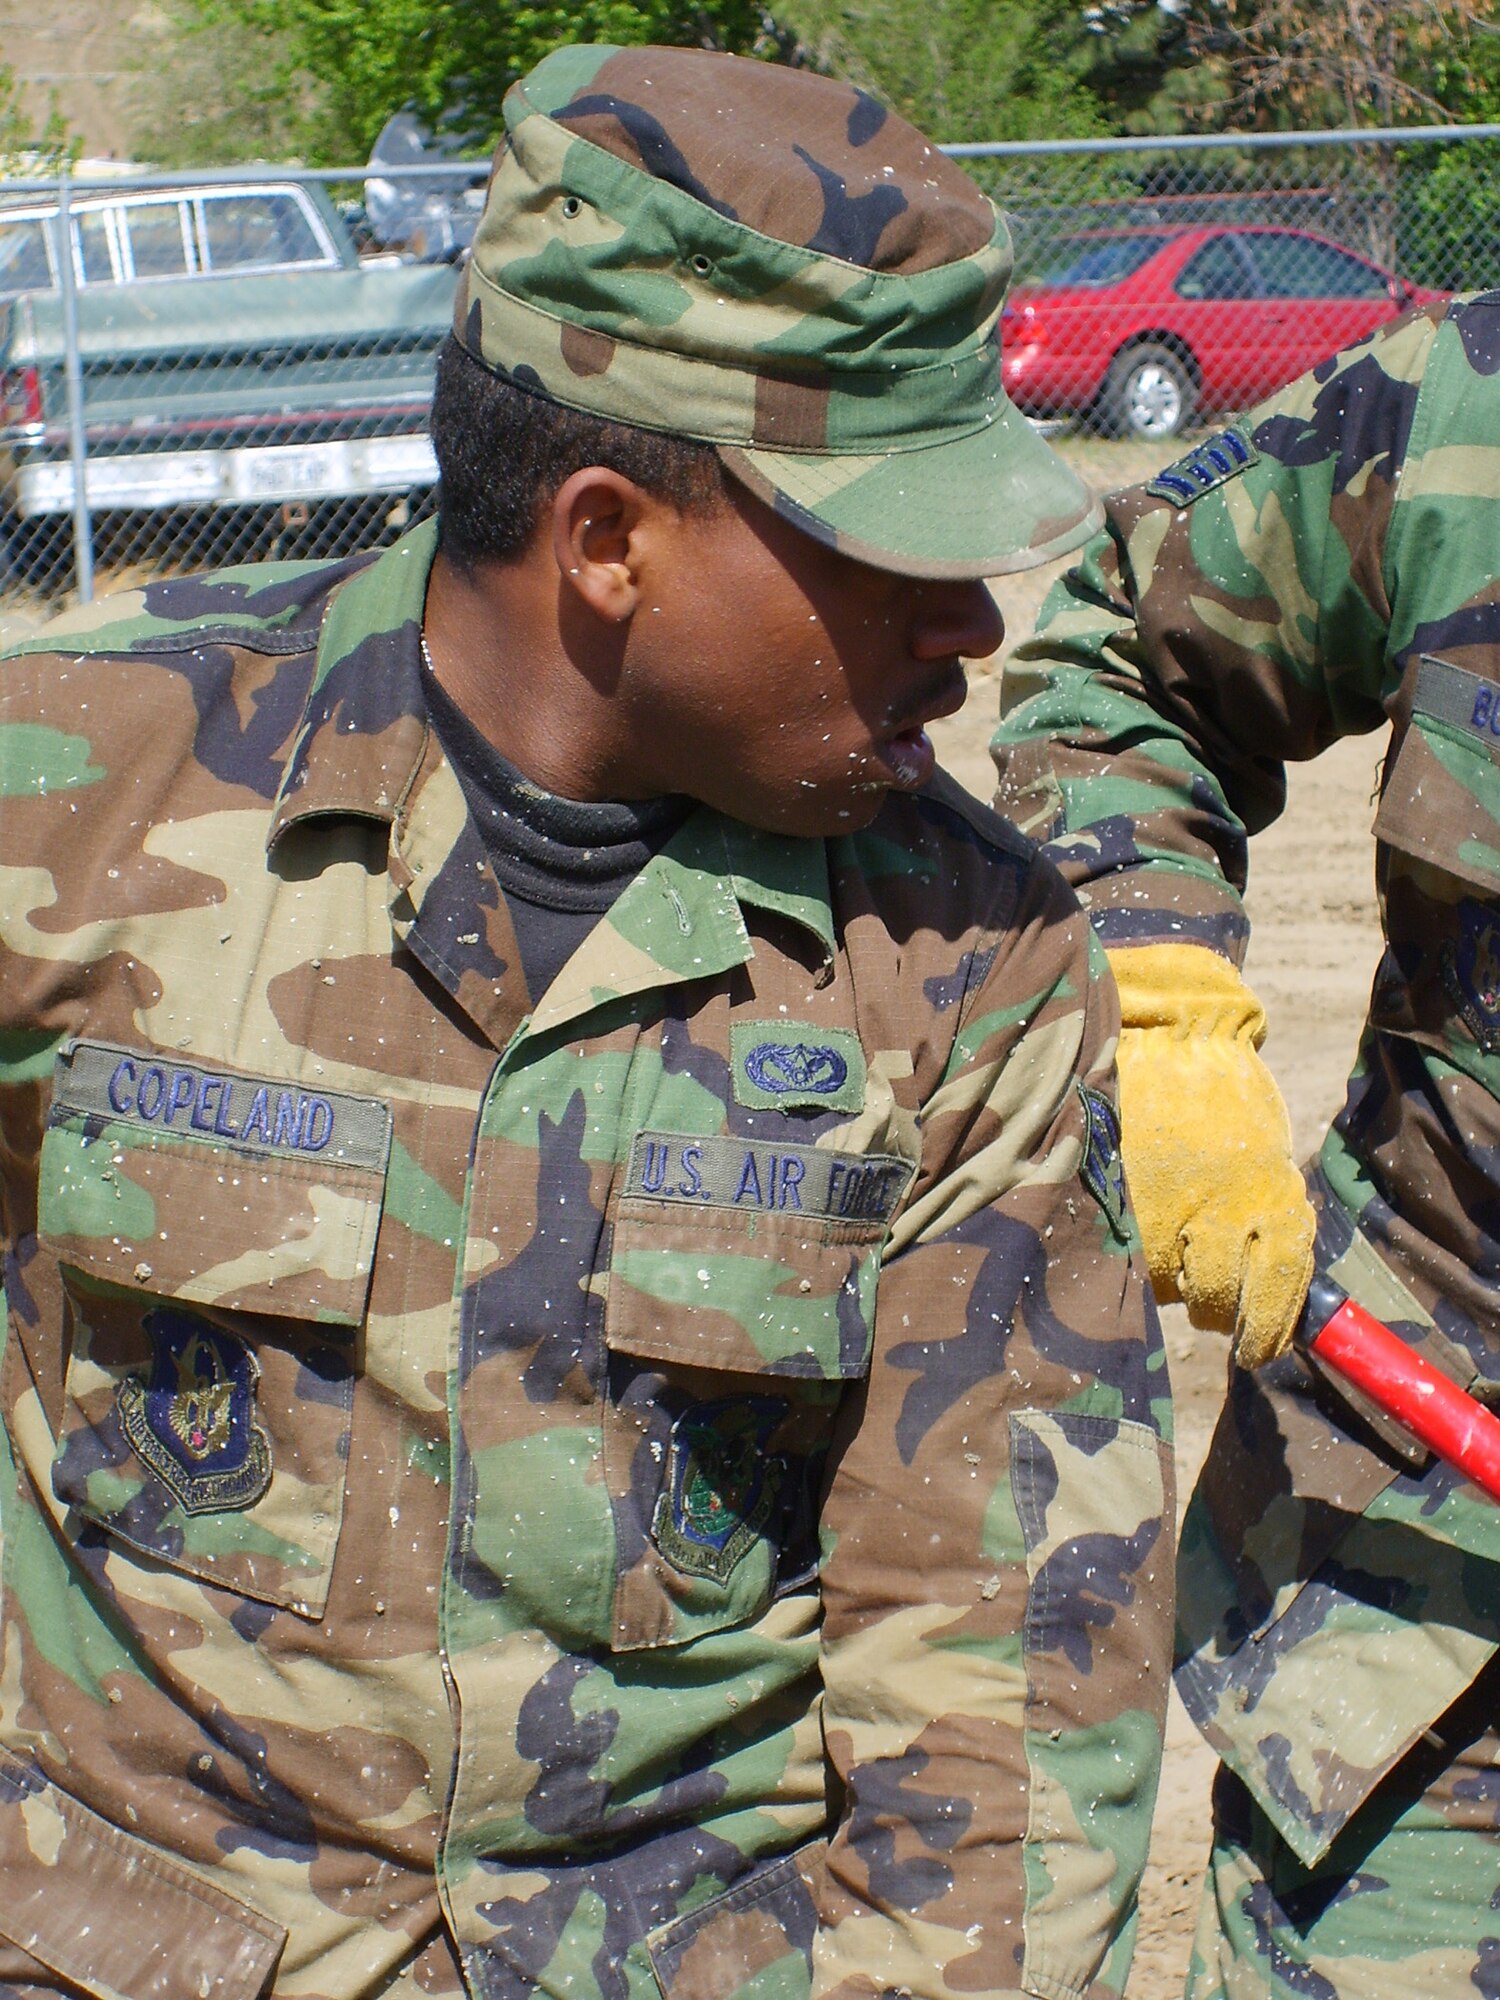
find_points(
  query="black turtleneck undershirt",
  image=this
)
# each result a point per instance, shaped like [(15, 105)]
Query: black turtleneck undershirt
[(560, 862)]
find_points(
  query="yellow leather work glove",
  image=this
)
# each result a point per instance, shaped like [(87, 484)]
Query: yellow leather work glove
[(1224, 1216)]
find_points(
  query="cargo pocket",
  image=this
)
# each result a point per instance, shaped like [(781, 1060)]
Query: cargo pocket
[(1328, 1605), (740, 1305), (1091, 1496), (209, 1284), (755, 1937), (1440, 802), (112, 1915), (1439, 819)]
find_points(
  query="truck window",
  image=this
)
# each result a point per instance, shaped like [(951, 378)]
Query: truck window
[(24, 263), (94, 259), (256, 231), (157, 233)]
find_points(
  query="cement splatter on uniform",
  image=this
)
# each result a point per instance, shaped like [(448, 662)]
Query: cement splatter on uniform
[(658, 1483)]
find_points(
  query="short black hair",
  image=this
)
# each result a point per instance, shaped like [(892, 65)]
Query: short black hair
[(503, 451)]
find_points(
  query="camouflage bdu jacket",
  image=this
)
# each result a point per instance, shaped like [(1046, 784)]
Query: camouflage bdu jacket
[(652, 1486), (1327, 566)]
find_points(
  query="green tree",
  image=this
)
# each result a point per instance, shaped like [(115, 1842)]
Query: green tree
[(339, 68), (216, 93), (963, 69), (1301, 64), (1450, 215), (27, 142), (1140, 68)]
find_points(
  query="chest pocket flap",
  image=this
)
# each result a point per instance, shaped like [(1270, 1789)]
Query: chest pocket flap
[(741, 1303), (749, 1254), (202, 1184), (216, 1235)]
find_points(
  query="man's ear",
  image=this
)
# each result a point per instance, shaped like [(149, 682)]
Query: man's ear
[(600, 525)]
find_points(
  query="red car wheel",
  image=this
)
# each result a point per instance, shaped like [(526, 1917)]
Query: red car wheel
[(1148, 393)]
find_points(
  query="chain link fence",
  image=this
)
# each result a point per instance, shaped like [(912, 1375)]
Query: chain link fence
[(226, 368), (1163, 284), (213, 368)]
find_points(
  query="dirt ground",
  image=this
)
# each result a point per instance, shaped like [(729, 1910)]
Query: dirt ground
[(1315, 941)]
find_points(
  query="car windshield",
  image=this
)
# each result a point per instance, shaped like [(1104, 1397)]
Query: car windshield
[(1090, 260)]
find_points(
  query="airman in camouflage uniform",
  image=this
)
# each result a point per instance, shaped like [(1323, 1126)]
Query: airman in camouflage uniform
[(1324, 568), (653, 1484)]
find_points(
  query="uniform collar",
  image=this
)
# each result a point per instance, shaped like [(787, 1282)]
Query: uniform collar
[(682, 917), (364, 727), (365, 748)]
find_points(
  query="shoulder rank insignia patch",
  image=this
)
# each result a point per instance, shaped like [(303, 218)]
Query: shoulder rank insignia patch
[(1101, 1170), (721, 1485), (192, 1421), (1219, 459)]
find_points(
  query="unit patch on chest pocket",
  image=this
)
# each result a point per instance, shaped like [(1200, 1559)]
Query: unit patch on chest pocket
[(722, 1484), (191, 1422), (793, 1066), (1471, 972)]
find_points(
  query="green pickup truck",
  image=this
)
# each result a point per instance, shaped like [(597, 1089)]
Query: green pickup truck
[(253, 361)]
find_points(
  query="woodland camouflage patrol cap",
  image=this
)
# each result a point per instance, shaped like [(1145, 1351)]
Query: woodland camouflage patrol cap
[(769, 261)]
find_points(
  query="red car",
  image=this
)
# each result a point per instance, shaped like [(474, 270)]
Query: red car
[(1138, 329)]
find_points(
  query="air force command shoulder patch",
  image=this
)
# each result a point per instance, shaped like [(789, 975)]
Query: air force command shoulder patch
[(722, 1484), (1217, 460)]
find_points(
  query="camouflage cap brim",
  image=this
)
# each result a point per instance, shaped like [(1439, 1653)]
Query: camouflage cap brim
[(991, 502)]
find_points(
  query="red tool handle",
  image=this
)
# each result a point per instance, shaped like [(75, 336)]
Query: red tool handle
[(1417, 1395)]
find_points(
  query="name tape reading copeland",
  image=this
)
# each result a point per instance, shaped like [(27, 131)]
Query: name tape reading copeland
[(766, 1177), (259, 1114)]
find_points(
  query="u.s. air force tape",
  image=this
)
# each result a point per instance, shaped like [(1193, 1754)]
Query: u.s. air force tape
[(766, 1175), (145, 1090)]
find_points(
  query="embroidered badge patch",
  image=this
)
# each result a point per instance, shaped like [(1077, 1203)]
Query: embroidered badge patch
[(779, 1068), (721, 1484), (793, 1066), (1471, 972), (191, 1422), (1206, 466), (1102, 1171)]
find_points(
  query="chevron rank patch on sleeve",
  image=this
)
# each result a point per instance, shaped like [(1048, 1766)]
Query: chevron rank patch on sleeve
[(1222, 457)]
